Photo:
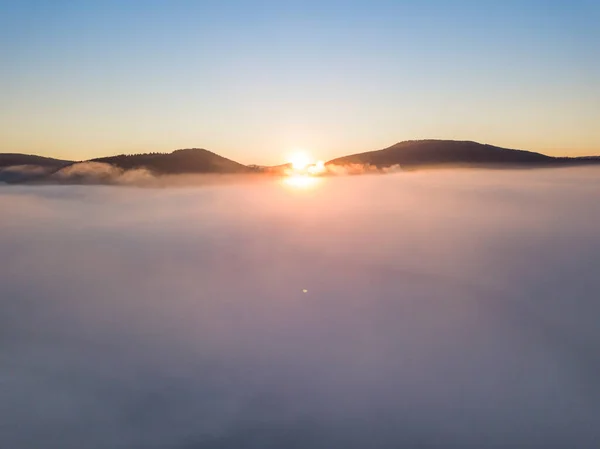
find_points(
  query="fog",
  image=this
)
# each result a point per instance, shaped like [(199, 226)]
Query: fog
[(98, 173), (442, 309)]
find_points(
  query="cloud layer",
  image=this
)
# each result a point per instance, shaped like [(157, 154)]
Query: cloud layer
[(442, 310)]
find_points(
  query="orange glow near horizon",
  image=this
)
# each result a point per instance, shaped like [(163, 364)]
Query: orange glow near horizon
[(301, 182), (317, 169), (304, 173), (299, 160)]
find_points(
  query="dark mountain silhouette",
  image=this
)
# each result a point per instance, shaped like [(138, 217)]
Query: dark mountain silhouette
[(442, 152), (13, 159), (18, 168), (193, 160)]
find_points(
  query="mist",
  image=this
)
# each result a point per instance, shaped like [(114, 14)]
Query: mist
[(442, 309), (98, 173)]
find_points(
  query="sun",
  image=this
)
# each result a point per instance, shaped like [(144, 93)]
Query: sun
[(299, 160)]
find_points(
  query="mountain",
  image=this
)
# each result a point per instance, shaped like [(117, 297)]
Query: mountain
[(415, 153), (15, 159), (192, 160), (17, 168)]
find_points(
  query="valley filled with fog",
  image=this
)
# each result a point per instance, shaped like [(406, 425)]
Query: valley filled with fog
[(435, 309)]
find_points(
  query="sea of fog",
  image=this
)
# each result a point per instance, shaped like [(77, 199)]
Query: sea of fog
[(442, 309)]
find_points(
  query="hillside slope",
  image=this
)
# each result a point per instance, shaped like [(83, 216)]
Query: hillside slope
[(14, 159), (193, 160), (443, 152)]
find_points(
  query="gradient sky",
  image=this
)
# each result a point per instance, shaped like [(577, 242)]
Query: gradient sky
[(255, 80)]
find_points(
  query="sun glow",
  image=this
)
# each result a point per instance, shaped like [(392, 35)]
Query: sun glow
[(301, 181), (299, 160), (317, 169), (303, 173)]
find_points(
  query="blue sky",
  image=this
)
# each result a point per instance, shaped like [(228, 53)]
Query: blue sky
[(256, 80)]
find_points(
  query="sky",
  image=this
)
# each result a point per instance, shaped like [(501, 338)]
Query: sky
[(257, 80)]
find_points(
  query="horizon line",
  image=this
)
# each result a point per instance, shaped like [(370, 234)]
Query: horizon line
[(261, 165)]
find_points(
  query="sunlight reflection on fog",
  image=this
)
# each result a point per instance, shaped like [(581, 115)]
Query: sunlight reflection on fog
[(297, 181)]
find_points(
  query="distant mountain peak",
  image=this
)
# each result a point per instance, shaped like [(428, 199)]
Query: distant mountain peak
[(181, 161), (437, 152)]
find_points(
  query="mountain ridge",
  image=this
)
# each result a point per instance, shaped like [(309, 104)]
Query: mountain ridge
[(410, 154), (436, 152), (182, 161), (12, 159)]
